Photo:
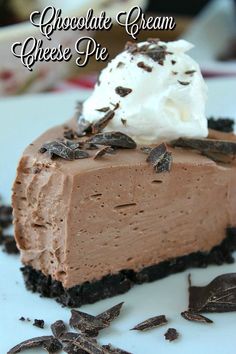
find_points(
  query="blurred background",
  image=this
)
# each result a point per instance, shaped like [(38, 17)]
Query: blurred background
[(210, 25)]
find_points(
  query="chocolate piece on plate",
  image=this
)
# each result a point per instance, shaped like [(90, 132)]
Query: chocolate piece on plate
[(151, 323)]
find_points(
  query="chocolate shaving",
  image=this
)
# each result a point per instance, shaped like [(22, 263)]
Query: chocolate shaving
[(171, 334), (49, 343), (145, 67), (190, 72), (114, 350), (64, 149), (160, 158), (104, 109), (38, 323), (184, 83), (110, 314), (98, 126), (123, 91), (103, 151), (86, 344), (195, 317), (207, 145), (151, 323), (58, 328), (225, 125), (218, 296), (114, 139), (88, 324)]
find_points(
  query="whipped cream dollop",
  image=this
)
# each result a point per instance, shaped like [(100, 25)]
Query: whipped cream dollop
[(157, 90)]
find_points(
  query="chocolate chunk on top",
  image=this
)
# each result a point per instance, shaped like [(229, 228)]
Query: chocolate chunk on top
[(160, 158), (65, 149), (123, 91), (113, 139), (103, 151), (207, 145)]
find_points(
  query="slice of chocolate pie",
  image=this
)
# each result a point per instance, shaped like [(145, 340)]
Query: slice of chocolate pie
[(131, 189)]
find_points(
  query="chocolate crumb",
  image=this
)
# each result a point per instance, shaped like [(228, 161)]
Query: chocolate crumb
[(144, 66), (123, 91), (114, 139), (49, 343), (104, 150), (171, 334), (195, 317), (160, 158), (38, 323), (184, 83), (58, 328), (104, 109), (21, 318), (151, 323), (87, 324), (173, 62), (174, 72), (111, 313)]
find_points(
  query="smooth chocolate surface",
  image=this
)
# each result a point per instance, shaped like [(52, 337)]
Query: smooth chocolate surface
[(82, 220)]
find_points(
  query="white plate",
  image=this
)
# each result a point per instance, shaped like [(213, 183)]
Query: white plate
[(22, 119), (211, 32)]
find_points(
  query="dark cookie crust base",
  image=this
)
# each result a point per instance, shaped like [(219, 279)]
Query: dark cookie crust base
[(115, 284)]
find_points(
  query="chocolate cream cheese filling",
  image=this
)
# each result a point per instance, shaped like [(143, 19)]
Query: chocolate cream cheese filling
[(80, 220)]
